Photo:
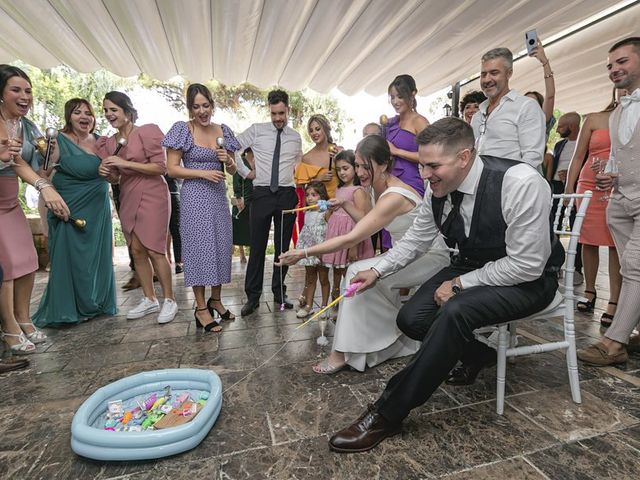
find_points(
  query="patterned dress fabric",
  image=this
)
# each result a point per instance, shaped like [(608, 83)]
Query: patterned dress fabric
[(205, 218), (312, 234)]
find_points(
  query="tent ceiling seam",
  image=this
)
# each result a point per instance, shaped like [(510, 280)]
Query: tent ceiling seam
[(173, 58), (255, 40), (113, 20)]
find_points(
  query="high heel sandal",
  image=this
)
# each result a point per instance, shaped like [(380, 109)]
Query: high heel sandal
[(37, 336), (607, 319), (227, 315), (23, 347), (587, 307), (209, 326)]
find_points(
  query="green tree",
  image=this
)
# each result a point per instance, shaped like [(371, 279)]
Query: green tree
[(53, 87)]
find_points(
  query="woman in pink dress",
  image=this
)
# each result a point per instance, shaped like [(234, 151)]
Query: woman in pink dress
[(144, 199), (18, 257), (592, 147)]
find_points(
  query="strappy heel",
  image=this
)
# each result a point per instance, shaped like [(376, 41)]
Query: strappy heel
[(209, 326), (23, 347), (37, 336), (227, 315), (607, 319), (587, 307)]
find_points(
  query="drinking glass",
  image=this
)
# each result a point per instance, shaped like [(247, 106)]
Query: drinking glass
[(14, 132)]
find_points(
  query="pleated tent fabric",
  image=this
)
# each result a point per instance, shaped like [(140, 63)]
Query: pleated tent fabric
[(353, 45)]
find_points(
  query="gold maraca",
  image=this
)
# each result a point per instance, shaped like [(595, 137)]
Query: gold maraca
[(79, 223)]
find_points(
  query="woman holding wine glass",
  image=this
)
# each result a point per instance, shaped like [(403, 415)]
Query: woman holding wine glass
[(589, 158), (18, 257)]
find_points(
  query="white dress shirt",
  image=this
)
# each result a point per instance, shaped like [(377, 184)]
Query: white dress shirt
[(515, 129), (526, 203), (628, 119), (261, 138)]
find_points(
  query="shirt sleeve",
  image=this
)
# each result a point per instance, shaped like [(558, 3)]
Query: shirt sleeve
[(526, 204), (241, 168), (413, 244), (246, 138), (531, 133)]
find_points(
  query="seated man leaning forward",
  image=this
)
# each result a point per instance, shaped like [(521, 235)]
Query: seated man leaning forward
[(497, 213)]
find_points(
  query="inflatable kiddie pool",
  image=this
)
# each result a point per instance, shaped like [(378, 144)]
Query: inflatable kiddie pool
[(91, 440)]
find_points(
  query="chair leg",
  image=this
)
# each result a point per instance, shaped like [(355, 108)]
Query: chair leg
[(503, 343), (572, 360), (513, 339)]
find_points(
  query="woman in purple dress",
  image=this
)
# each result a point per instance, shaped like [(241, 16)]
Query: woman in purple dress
[(205, 219), (401, 132)]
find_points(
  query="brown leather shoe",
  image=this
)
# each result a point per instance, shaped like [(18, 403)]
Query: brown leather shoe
[(132, 284), (364, 434), (9, 364), (598, 356)]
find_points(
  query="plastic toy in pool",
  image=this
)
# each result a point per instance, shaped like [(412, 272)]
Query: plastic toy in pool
[(91, 439)]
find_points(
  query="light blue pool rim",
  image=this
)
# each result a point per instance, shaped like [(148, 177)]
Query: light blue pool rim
[(100, 444)]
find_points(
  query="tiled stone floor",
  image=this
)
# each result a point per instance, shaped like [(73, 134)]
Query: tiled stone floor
[(275, 424)]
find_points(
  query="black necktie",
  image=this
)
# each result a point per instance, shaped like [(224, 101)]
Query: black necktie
[(275, 165), (453, 227)]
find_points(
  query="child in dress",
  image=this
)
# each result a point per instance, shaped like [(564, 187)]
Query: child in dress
[(351, 204), (313, 232)]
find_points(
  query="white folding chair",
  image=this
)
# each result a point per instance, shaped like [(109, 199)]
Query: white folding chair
[(561, 305)]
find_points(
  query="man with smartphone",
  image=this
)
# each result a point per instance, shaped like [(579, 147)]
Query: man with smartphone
[(508, 125)]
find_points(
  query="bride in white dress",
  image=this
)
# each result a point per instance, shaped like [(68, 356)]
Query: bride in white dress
[(366, 333)]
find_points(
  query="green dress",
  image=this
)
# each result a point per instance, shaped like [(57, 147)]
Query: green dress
[(242, 188), (81, 282)]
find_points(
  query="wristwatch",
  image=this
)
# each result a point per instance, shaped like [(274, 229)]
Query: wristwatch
[(455, 286)]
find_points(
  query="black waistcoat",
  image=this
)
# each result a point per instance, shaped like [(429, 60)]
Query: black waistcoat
[(486, 240)]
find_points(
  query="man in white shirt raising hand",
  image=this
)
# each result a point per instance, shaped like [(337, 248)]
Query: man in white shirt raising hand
[(508, 125)]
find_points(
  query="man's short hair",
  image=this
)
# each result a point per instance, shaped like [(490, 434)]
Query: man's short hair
[(633, 41), (452, 133), (277, 96), (572, 117), (500, 52)]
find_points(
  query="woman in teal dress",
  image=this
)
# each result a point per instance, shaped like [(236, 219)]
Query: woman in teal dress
[(81, 282)]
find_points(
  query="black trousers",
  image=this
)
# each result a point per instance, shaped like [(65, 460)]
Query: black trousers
[(174, 227), (447, 333), (265, 207)]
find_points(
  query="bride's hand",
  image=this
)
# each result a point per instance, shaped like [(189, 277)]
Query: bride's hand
[(290, 258)]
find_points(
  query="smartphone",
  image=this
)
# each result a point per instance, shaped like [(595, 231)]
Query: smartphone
[(531, 40)]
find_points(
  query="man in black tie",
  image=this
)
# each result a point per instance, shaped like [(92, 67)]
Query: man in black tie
[(496, 212), (277, 149)]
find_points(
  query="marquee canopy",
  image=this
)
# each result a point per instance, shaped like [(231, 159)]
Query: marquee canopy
[(353, 45)]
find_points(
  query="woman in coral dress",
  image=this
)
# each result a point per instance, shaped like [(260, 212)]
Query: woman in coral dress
[(592, 148)]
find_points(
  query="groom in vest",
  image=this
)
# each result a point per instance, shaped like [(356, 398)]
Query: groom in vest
[(623, 212), (496, 213)]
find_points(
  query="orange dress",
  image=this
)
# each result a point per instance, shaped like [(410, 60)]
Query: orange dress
[(595, 230), (145, 206)]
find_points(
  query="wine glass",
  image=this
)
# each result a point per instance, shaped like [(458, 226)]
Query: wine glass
[(608, 167), (14, 132)]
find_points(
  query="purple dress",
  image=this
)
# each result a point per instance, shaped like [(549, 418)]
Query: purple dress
[(402, 168), (205, 219)]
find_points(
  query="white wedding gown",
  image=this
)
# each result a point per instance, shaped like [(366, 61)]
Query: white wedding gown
[(366, 330)]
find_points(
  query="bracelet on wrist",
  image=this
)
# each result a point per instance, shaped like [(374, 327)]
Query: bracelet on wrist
[(42, 183), (377, 273), (545, 64), (306, 253), (548, 75)]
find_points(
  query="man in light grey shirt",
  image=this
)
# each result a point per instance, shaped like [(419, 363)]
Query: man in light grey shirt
[(508, 125), (496, 213), (277, 149)]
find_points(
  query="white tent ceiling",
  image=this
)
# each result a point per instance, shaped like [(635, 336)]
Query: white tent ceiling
[(353, 45)]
